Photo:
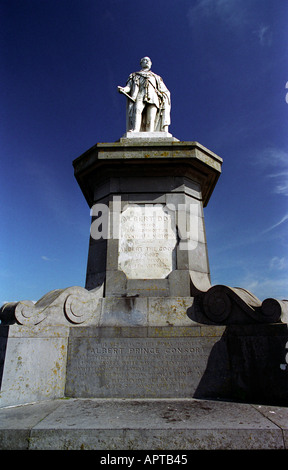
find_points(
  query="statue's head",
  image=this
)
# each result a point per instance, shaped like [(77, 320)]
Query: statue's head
[(146, 63)]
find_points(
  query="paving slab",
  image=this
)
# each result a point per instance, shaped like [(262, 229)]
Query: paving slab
[(142, 424), (16, 423), (279, 416)]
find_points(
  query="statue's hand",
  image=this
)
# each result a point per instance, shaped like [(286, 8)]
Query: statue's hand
[(120, 89)]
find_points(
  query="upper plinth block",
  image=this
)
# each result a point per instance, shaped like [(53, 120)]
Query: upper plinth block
[(147, 158)]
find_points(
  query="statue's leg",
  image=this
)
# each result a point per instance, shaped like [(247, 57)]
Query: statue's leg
[(137, 115), (151, 117), (137, 121)]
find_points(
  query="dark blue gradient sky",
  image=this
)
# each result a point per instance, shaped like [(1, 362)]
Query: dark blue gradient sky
[(225, 63)]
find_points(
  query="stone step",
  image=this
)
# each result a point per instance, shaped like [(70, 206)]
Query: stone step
[(143, 424)]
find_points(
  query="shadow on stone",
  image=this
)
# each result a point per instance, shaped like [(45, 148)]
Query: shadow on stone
[(4, 330), (248, 364)]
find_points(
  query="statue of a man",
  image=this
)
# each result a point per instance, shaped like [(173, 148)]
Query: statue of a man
[(148, 100)]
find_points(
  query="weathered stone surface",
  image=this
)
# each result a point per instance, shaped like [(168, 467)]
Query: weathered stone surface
[(147, 241), (232, 363), (16, 423), (145, 311), (149, 424), (178, 157), (60, 307), (143, 366), (124, 312), (169, 312), (33, 363), (153, 178), (224, 305)]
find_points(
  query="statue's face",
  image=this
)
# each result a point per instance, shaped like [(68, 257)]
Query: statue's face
[(146, 63)]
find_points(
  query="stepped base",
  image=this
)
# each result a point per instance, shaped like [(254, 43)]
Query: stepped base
[(152, 424)]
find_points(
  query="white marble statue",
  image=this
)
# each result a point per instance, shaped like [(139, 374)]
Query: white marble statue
[(148, 100)]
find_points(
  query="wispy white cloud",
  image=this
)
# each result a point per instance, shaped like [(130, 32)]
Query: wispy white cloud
[(233, 14), (277, 224), (227, 11), (261, 283), (282, 179), (276, 288), (273, 157), (278, 264), (274, 162), (264, 35)]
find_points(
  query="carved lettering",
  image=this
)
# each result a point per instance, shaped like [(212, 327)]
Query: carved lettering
[(147, 241), (131, 366)]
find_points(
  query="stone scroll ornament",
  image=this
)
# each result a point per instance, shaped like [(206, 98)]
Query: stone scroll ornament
[(73, 305), (224, 305), (148, 100)]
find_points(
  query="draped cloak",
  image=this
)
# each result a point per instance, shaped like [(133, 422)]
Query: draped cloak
[(148, 88)]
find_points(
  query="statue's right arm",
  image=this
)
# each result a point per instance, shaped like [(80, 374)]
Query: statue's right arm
[(125, 89), (128, 86)]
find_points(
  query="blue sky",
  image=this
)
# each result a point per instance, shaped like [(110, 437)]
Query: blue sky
[(225, 64)]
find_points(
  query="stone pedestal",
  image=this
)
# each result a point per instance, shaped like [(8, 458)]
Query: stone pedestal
[(147, 254), (147, 231)]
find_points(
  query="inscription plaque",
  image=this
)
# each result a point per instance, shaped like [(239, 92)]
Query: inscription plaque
[(147, 241), (136, 367)]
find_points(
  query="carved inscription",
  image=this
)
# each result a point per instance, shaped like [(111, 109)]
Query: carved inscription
[(131, 367), (147, 240)]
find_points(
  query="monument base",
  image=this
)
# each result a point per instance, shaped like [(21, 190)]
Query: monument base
[(74, 343), (245, 363), (239, 363), (186, 387)]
